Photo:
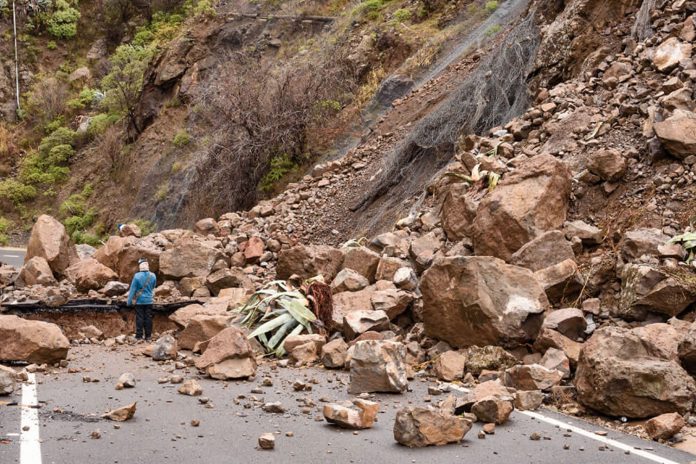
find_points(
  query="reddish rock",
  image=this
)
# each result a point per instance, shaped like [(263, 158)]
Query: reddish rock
[(449, 366), (530, 201), (664, 426), (309, 261), (90, 274), (361, 417), (621, 375), (481, 301), (254, 249), (31, 341), (50, 241), (36, 271), (546, 250), (420, 427)]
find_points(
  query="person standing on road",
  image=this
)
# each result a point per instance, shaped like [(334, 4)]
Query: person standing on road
[(141, 290)]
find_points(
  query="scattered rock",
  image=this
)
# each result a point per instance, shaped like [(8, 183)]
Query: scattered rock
[(126, 380), (121, 414), (449, 366), (350, 418), (228, 356), (191, 388), (267, 441), (420, 427), (165, 348), (334, 353), (7, 380), (664, 426), (377, 366)]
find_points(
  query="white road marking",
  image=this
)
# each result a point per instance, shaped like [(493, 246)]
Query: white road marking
[(30, 444), (594, 436), (11, 256)]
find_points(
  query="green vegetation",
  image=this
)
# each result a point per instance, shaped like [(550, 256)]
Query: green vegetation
[(162, 191), (78, 217), (493, 30), (16, 191), (51, 45), (402, 15), (84, 100), (5, 225), (204, 8), (100, 122), (125, 80), (146, 227), (62, 22), (181, 139), (281, 165), (491, 6)]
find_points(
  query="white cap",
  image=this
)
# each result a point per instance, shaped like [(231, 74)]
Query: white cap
[(144, 266)]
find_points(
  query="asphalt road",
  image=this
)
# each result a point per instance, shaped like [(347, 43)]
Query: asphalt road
[(161, 430), (12, 256)]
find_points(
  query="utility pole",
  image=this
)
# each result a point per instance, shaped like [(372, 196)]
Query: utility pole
[(14, 24)]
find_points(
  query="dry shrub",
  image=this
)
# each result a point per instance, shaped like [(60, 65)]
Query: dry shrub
[(257, 112), (46, 100), (109, 146)]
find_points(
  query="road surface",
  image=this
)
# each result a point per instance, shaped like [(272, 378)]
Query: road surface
[(59, 430), (12, 256)]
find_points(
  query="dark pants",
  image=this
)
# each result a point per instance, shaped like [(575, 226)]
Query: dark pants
[(143, 321)]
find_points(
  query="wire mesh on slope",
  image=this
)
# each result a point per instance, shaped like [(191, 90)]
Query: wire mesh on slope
[(492, 95)]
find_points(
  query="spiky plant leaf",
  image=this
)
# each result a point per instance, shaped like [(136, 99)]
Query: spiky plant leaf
[(270, 325)]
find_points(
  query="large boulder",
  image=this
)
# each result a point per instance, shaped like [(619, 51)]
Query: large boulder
[(310, 261), (228, 356), (356, 323), (481, 301), (362, 260), (458, 212), (647, 289), (189, 258), (678, 133), (527, 203), (546, 250), (639, 242), (90, 274), (31, 341), (621, 373), (201, 328), (419, 427), (36, 271), (123, 253), (50, 241), (377, 366)]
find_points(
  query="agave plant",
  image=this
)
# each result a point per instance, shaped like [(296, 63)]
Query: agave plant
[(274, 313), (478, 175), (688, 241)]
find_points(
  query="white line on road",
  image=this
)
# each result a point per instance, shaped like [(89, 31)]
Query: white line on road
[(10, 256), (594, 436), (30, 445)]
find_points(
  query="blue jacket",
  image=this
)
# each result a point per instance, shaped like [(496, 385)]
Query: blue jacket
[(140, 281)]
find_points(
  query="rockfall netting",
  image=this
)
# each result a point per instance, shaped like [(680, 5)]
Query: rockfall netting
[(492, 95)]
